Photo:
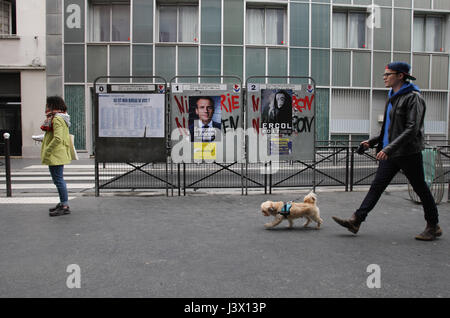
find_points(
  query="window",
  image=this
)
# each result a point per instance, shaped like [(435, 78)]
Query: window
[(109, 23), (178, 23), (266, 26), (349, 30), (5, 18), (428, 31)]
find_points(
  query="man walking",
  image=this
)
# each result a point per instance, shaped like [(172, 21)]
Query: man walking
[(399, 146)]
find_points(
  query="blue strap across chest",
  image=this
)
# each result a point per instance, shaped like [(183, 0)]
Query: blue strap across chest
[(286, 209)]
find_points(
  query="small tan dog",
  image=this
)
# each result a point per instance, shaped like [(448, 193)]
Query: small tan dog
[(308, 209)]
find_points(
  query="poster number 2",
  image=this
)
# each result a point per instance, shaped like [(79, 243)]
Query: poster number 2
[(254, 87)]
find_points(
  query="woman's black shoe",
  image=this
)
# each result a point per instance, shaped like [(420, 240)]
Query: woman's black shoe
[(55, 208), (60, 211)]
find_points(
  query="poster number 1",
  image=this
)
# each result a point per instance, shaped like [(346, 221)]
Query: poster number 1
[(178, 89)]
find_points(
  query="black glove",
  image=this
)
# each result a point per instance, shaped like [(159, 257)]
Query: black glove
[(361, 149)]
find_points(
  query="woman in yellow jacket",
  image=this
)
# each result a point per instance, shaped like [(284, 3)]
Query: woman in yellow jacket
[(56, 149)]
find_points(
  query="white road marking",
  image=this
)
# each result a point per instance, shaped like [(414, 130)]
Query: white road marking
[(31, 200), (65, 167), (46, 173), (32, 178), (51, 186)]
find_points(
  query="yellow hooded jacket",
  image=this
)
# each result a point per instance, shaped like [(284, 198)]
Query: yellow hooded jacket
[(56, 145)]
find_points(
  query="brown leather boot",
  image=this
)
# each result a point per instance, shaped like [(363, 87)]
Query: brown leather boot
[(438, 231), (351, 224), (430, 233)]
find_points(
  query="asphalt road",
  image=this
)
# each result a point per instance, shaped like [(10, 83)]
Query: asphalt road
[(215, 245)]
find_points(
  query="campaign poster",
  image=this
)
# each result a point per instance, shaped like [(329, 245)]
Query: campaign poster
[(205, 118), (284, 114), (276, 115)]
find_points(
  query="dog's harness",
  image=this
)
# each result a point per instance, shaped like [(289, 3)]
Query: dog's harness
[(286, 209)]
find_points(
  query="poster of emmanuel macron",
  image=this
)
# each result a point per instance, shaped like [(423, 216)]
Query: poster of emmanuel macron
[(204, 118)]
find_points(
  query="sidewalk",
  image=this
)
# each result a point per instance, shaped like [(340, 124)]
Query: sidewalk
[(21, 163), (215, 245)]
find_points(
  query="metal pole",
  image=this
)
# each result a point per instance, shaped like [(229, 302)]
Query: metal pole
[(352, 166), (179, 179), (346, 169), (7, 165), (246, 177), (314, 171), (242, 178), (97, 179), (167, 179), (184, 179), (270, 177), (265, 178)]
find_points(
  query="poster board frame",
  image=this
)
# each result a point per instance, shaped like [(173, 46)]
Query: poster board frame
[(287, 82)]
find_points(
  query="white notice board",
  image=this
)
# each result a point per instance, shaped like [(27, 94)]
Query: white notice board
[(131, 115)]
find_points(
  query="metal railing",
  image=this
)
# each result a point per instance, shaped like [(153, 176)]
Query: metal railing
[(335, 165)]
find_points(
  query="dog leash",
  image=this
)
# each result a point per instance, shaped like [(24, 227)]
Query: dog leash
[(309, 190), (286, 209)]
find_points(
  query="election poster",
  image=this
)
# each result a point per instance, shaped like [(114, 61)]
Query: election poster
[(131, 115), (284, 114), (205, 121)]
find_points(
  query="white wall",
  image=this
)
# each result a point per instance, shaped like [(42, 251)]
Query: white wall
[(33, 84), (30, 42), (26, 53), (31, 22)]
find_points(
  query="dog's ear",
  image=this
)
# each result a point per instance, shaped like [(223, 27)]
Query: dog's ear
[(271, 208)]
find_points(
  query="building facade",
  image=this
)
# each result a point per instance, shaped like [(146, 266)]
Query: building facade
[(343, 44), (22, 72)]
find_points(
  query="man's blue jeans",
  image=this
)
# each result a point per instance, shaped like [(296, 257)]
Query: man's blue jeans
[(58, 179), (412, 167)]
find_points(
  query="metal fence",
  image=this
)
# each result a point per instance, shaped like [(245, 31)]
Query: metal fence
[(336, 164)]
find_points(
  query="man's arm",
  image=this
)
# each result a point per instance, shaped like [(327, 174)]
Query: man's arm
[(372, 142)]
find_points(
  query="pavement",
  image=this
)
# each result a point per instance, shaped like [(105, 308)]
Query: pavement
[(213, 244)]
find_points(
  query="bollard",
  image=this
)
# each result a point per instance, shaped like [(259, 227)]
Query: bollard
[(7, 165)]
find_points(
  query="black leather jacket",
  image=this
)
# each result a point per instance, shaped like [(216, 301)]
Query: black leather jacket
[(406, 133)]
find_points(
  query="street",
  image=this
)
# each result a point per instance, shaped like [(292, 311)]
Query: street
[(215, 245)]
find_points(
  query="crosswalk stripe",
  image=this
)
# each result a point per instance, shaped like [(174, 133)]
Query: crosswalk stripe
[(13, 178), (46, 173), (31, 200), (91, 167), (65, 167), (51, 186)]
